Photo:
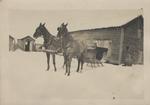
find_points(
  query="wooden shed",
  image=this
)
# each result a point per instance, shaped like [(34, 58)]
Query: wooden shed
[(116, 39), (26, 44)]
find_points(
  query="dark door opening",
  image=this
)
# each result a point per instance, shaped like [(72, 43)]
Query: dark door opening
[(27, 46), (106, 44)]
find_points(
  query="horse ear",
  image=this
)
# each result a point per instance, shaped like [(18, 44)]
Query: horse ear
[(62, 24), (44, 24), (66, 24), (40, 24), (58, 28)]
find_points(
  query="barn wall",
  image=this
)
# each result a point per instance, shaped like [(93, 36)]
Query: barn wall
[(133, 37), (112, 33)]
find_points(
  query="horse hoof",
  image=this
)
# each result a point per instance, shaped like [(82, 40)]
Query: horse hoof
[(47, 69), (55, 70)]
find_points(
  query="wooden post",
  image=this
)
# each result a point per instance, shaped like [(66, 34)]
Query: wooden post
[(121, 46)]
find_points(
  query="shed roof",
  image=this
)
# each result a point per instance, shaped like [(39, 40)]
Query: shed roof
[(112, 27), (28, 38), (136, 18)]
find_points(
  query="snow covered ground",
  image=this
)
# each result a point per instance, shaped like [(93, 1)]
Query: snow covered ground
[(27, 81)]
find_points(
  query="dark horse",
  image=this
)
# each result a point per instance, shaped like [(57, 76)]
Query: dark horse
[(50, 42), (71, 48)]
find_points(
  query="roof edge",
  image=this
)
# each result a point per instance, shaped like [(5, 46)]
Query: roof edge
[(111, 27)]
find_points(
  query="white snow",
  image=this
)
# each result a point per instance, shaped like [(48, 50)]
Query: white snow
[(26, 81)]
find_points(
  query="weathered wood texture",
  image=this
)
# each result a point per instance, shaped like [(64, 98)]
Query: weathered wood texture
[(132, 33), (133, 38), (111, 33)]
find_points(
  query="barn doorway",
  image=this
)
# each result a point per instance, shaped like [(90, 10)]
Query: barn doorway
[(105, 44), (27, 46)]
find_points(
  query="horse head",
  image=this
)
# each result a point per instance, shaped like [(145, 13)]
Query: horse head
[(39, 31), (62, 30)]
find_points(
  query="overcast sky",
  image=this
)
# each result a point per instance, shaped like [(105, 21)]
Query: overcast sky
[(24, 22)]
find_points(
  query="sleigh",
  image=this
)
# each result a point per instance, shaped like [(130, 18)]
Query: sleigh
[(94, 55)]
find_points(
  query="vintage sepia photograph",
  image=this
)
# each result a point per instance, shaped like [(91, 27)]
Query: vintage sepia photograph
[(84, 57)]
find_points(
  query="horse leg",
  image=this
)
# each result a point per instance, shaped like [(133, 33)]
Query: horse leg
[(78, 65), (66, 68), (48, 59), (69, 66), (82, 62), (54, 62), (64, 61), (101, 63)]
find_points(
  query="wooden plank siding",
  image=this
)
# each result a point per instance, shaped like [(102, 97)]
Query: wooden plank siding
[(112, 33), (121, 46), (132, 39), (129, 34)]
